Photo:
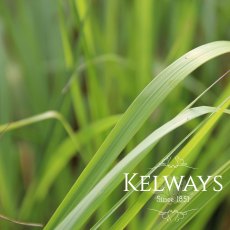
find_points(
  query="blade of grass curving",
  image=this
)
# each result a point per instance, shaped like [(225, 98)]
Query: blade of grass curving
[(84, 209), (133, 119), (38, 118), (27, 224), (184, 154)]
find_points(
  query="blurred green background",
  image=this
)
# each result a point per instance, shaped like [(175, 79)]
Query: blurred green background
[(88, 60)]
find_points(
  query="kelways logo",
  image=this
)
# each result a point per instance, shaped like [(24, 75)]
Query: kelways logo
[(172, 189), (181, 183)]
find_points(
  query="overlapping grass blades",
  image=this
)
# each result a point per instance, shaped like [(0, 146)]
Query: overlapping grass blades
[(130, 123), (186, 153)]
